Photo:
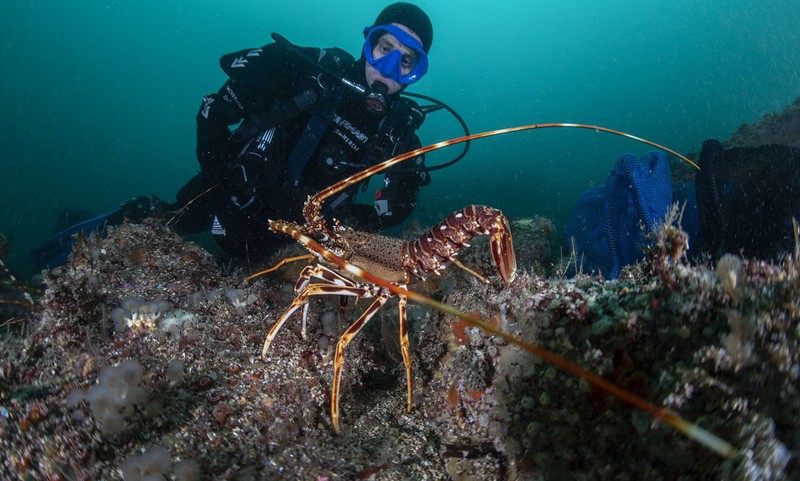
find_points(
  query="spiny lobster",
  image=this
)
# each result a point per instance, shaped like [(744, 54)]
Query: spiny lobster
[(361, 264)]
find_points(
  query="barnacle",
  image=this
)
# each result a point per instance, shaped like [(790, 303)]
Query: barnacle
[(238, 297), (135, 314), (729, 270)]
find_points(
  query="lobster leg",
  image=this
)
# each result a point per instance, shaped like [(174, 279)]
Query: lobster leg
[(303, 280), (338, 286), (404, 345), (327, 275), (338, 360)]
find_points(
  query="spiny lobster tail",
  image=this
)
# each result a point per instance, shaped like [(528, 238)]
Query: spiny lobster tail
[(502, 248), (433, 249)]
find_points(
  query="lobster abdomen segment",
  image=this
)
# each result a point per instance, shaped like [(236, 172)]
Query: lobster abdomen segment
[(440, 244)]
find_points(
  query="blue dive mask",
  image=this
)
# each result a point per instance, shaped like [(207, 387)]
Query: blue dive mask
[(391, 64)]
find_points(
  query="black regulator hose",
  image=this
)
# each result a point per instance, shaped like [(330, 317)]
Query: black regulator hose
[(438, 104)]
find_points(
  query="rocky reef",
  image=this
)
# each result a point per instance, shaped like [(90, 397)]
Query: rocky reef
[(782, 127), (142, 360)]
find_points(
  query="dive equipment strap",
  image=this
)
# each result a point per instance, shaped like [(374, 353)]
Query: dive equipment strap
[(310, 138)]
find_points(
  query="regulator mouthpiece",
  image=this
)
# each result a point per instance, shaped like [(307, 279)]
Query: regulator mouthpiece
[(377, 98)]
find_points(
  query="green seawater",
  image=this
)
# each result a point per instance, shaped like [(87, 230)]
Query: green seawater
[(98, 98)]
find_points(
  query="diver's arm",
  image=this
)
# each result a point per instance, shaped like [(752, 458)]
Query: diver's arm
[(258, 78), (216, 114)]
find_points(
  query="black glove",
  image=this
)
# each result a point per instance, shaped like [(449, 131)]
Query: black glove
[(405, 117), (243, 179), (305, 99)]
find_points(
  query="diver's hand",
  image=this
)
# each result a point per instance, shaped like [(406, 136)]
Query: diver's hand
[(305, 99), (408, 114), (242, 178)]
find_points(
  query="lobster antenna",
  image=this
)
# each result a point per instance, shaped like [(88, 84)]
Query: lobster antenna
[(278, 266), (179, 213), (313, 205)]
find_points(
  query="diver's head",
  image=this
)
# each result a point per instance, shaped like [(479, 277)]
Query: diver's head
[(396, 47)]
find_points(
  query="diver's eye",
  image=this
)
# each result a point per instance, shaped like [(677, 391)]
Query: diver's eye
[(408, 62), (384, 47)]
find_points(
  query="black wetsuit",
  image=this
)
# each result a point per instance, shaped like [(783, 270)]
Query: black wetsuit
[(247, 134)]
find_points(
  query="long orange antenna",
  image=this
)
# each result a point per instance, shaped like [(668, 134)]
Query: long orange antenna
[(179, 213), (278, 265), (314, 203)]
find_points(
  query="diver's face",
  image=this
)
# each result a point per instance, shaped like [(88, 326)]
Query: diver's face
[(386, 44)]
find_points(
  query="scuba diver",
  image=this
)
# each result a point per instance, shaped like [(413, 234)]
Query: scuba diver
[(290, 121), (302, 124)]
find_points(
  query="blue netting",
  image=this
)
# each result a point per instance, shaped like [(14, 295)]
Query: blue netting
[(609, 223), (55, 251)]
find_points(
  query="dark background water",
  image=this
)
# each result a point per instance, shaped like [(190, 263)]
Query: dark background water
[(98, 98)]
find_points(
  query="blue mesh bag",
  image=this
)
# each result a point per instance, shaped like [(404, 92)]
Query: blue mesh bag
[(609, 223)]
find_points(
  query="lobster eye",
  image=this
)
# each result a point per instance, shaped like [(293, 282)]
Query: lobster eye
[(320, 237)]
